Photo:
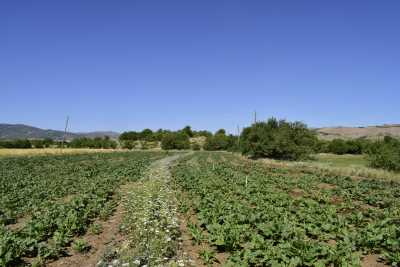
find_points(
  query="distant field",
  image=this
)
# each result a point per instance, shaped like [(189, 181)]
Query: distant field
[(49, 151), (348, 165), (342, 160)]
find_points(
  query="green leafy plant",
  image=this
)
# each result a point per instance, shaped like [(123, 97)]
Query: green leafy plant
[(95, 229), (208, 257), (196, 232), (81, 246)]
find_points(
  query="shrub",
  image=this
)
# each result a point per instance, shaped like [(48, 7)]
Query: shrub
[(338, 146), (385, 154), (177, 140), (129, 136), (196, 146), (188, 131), (128, 145), (147, 135), (18, 143), (220, 141), (278, 140), (97, 142)]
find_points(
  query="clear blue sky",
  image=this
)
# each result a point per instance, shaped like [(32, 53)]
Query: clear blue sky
[(120, 65)]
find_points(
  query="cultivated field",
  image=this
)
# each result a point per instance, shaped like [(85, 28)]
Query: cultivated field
[(194, 209), (245, 213), (49, 151), (46, 201)]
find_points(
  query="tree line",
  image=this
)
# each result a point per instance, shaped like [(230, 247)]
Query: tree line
[(83, 142), (277, 139)]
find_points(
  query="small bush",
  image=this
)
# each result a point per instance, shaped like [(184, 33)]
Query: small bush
[(385, 154), (196, 146), (177, 140), (220, 141), (338, 146), (128, 144), (341, 147)]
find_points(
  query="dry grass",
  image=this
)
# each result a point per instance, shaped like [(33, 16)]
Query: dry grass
[(49, 151), (354, 169)]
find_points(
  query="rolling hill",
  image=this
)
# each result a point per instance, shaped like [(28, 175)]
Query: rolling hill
[(370, 132), (21, 131)]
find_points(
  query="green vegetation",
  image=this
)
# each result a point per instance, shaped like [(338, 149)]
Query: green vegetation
[(97, 142), (95, 229), (385, 154), (265, 216), (347, 160), (19, 143), (177, 140), (81, 246), (151, 220), (221, 141), (341, 146), (59, 197), (278, 140)]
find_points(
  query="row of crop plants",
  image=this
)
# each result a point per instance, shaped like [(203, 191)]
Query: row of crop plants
[(263, 216), (58, 198)]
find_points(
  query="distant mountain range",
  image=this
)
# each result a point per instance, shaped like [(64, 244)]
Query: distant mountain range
[(21, 131), (370, 132)]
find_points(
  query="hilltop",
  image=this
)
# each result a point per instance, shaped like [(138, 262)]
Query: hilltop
[(22, 131), (370, 132)]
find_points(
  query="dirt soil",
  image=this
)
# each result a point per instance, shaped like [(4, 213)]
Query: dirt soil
[(326, 186), (110, 236), (372, 260), (296, 193)]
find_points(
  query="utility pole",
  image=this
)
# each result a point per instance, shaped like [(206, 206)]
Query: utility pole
[(65, 133), (255, 116)]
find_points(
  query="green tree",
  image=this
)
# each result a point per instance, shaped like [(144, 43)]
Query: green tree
[(385, 154), (218, 141), (146, 135), (278, 139), (131, 136), (175, 140), (338, 146), (188, 131)]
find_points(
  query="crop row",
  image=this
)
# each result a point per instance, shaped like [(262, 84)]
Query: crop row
[(266, 216), (58, 197)]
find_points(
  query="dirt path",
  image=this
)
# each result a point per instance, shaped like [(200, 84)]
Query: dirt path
[(152, 221), (146, 202)]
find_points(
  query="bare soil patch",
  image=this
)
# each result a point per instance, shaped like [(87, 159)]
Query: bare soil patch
[(296, 193), (326, 186), (19, 224), (336, 200), (372, 260)]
